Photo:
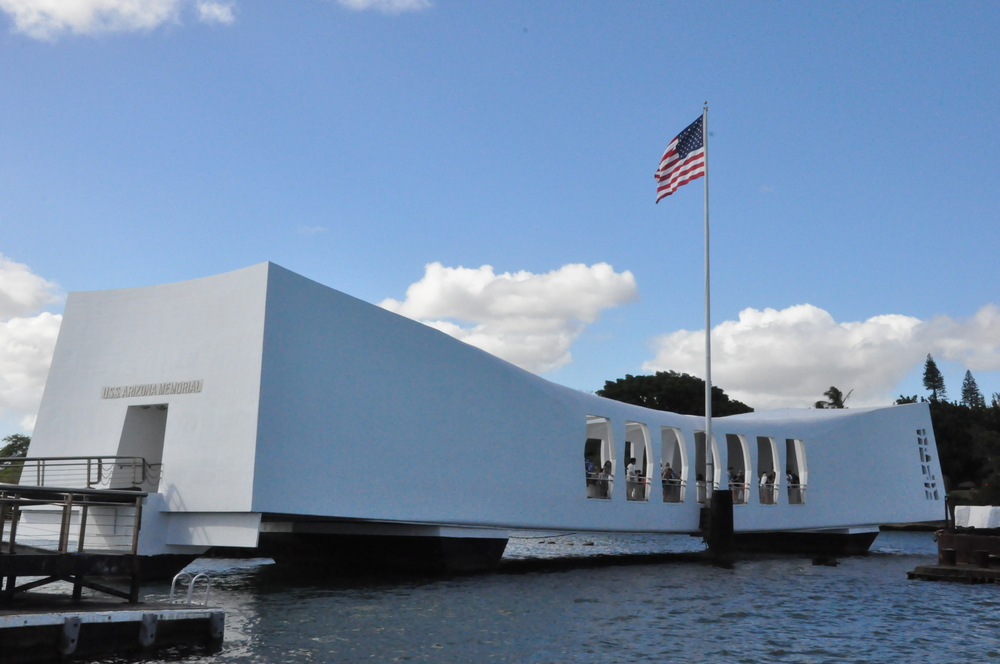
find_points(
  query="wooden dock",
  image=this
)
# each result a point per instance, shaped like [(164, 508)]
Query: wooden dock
[(47, 628), (91, 543), (958, 573)]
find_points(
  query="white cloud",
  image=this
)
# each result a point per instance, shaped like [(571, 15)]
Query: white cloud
[(21, 290), (788, 358), (975, 342), (528, 319), (215, 12), (26, 346), (387, 6), (26, 342), (48, 19)]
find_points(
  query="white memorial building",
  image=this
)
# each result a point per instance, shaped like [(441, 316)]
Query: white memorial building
[(279, 415)]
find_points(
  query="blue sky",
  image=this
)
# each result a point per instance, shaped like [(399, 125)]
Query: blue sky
[(853, 166)]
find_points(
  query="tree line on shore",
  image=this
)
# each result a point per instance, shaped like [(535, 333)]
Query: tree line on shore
[(968, 437)]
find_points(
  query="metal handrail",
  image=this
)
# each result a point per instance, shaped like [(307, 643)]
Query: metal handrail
[(88, 471), (191, 580), (797, 494), (673, 489), (603, 482), (85, 504), (768, 493), (637, 487), (740, 491), (704, 489)]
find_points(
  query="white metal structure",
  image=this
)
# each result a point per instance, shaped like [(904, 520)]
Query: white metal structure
[(273, 404)]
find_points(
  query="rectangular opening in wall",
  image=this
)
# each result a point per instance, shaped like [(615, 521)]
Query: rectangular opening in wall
[(673, 465), (638, 460), (598, 458), (140, 448), (706, 466), (738, 456), (768, 477), (796, 471)]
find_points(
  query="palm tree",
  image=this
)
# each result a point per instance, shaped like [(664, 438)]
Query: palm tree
[(837, 399)]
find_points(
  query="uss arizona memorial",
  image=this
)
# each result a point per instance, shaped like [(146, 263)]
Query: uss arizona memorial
[(277, 414)]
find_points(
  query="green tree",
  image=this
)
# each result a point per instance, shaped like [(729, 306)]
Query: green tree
[(671, 391), (968, 447), (837, 399), (933, 380), (971, 396), (17, 446)]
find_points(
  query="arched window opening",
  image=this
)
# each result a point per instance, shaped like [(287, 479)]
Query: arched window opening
[(706, 467), (796, 471), (638, 461), (599, 458), (673, 465), (738, 456), (768, 479)]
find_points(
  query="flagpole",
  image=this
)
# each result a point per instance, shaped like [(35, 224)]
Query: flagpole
[(708, 314)]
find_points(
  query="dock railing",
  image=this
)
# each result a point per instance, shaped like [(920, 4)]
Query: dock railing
[(65, 534), (60, 520)]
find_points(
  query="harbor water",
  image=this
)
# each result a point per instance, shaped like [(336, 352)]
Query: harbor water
[(762, 609)]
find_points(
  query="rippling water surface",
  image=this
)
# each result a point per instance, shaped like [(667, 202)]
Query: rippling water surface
[(765, 609)]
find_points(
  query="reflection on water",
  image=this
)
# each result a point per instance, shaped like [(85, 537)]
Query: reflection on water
[(764, 609)]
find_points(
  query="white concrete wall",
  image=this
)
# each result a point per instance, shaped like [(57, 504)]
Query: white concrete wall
[(207, 329), (864, 467), (972, 516), (464, 438), (335, 407)]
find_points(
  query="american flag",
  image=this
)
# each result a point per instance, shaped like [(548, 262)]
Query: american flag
[(683, 161)]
